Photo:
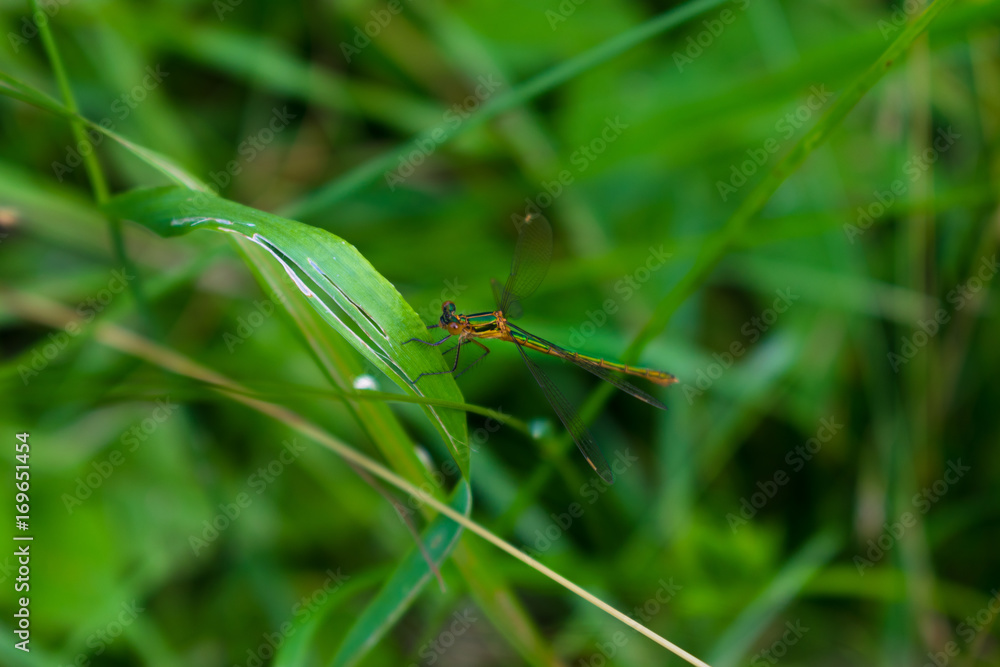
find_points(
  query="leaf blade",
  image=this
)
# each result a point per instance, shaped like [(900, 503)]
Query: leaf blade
[(403, 586), (343, 287)]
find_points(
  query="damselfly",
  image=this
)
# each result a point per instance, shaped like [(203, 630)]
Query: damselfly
[(529, 266)]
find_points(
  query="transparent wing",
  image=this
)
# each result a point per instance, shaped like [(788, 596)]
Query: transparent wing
[(606, 374), (531, 261), (567, 415), (614, 378), (514, 309)]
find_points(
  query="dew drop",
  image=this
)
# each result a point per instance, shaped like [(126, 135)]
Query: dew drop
[(365, 382), (540, 427)]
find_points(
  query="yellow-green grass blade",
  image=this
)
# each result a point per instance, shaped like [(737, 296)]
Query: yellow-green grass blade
[(339, 363)]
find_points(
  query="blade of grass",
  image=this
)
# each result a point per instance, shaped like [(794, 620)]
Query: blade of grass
[(728, 237), (371, 395), (38, 309), (333, 275), (268, 66), (13, 88), (92, 166), (90, 163), (297, 649), (506, 615), (404, 585), (338, 361), (716, 248), (335, 357), (719, 244)]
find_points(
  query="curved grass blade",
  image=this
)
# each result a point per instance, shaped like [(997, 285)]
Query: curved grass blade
[(477, 570), (343, 287), (404, 585)]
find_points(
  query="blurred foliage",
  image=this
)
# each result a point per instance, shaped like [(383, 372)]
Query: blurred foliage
[(818, 492)]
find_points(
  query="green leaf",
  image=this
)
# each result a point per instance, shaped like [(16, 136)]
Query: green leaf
[(404, 585), (343, 287)]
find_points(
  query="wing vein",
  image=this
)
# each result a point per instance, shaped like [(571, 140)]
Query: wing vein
[(567, 415)]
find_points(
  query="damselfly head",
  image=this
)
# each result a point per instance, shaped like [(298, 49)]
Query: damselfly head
[(449, 322), (448, 313)]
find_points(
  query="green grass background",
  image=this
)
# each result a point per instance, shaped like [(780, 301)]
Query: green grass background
[(870, 548)]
